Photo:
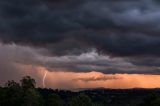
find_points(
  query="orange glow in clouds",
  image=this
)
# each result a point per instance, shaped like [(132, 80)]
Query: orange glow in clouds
[(72, 80)]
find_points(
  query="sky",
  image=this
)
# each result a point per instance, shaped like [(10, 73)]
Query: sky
[(69, 44)]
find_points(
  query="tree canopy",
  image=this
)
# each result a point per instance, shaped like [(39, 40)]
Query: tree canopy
[(25, 93)]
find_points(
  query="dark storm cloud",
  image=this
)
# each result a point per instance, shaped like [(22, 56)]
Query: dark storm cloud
[(60, 34), (121, 27), (145, 61), (86, 62), (101, 78), (79, 36), (17, 61), (10, 66)]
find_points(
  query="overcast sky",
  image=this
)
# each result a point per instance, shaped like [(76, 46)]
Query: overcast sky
[(79, 36)]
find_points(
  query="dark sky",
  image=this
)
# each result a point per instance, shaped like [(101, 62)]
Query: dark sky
[(108, 36)]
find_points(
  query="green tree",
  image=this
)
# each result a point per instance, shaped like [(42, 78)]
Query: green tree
[(95, 104), (2, 96), (28, 83), (12, 84), (32, 98), (151, 100), (13, 94), (25, 95), (54, 100), (81, 100)]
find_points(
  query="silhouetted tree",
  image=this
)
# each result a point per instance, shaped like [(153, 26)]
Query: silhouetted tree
[(13, 94), (54, 100), (81, 100), (151, 100), (28, 83), (12, 84), (25, 94), (32, 98), (95, 104), (2, 96)]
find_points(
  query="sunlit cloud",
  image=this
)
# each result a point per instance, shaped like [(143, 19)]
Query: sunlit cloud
[(71, 80)]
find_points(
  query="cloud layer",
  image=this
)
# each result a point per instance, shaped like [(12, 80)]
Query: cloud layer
[(16, 55), (120, 36), (121, 27)]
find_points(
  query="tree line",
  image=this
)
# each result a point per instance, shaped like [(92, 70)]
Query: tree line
[(26, 94)]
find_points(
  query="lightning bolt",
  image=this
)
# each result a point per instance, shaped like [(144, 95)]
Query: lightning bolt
[(44, 77)]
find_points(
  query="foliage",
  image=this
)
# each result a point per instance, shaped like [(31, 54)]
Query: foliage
[(81, 100), (28, 83), (54, 100), (25, 93), (151, 100), (13, 94), (32, 98)]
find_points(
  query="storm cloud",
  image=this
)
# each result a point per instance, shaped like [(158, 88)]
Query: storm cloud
[(121, 27), (17, 56), (101, 78), (120, 36)]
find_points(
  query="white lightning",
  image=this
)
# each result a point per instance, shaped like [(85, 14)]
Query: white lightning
[(44, 79)]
